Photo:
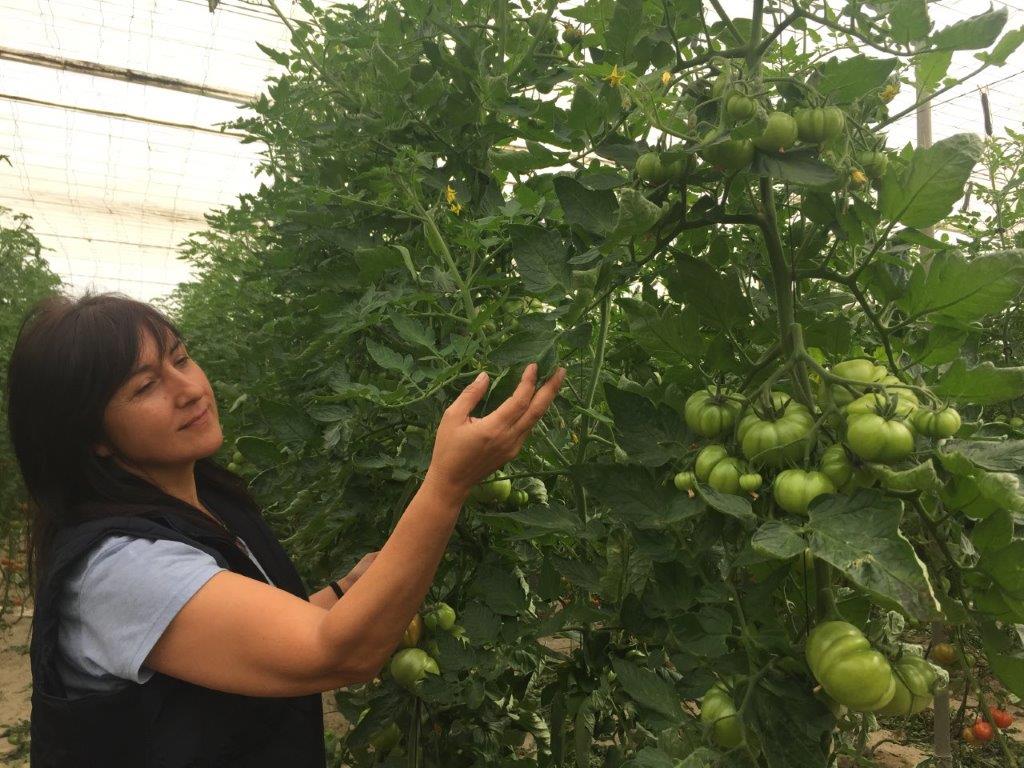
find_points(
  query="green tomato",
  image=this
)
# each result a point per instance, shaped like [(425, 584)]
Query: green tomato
[(232, 467), (730, 155), (723, 82), (680, 169), (441, 616), (817, 125), (1016, 422), (873, 163), (876, 438), (848, 668), (684, 481), (706, 460), (937, 424), (779, 133), (893, 386), (750, 482), (866, 371), (237, 457), (776, 442), (492, 491), (649, 168), (915, 680), (725, 475), (718, 711), (519, 498), (572, 36), (739, 107), (411, 665), (794, 489), (386, 739), (876, 402), (711, 414), (836, 465)]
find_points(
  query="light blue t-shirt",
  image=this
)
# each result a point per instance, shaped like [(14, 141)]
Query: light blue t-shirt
[(117, 603)]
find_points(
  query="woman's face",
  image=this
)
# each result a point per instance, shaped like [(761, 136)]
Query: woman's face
[(145, 421)]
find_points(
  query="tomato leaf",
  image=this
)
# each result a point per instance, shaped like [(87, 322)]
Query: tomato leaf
[(971, 34), (848, 79), (909, 22), (797, 166), (592, 210), (541, 258), (984, 384), (1004, 657), (778, 540), (953, 287), (924, 192), (647, 689), (727, 503), (649, 433), (859, 535), (1009, 43)]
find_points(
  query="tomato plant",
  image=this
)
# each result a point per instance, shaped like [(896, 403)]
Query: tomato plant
[(470, 190)]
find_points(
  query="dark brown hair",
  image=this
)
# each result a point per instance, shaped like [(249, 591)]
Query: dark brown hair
[(70, 357)]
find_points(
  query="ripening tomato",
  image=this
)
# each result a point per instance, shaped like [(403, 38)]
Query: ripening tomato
[(779, 133), (441, 616), (718, 710), (967, 734), (739, 107), (982, 730), (706, 460), (411, 665), (915, 679), (779, 438), (413, 633), (848, 668), (1000, 717), (937, 424), (794, 489), (816, 125), (711, 413), (836, 465), (944, 654), (730, 155), (874, 163), (876, 438)]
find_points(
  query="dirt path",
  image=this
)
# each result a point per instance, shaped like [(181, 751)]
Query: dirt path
[(15, 687)]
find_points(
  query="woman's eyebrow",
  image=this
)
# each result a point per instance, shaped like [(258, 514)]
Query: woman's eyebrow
[(149, 366)]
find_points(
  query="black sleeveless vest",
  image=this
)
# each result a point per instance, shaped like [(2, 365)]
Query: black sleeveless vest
[(167, 722)]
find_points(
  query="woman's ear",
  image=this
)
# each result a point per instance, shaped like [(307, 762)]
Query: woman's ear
[(101, 450)]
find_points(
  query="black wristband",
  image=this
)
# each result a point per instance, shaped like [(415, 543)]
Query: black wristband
[(337, 590)]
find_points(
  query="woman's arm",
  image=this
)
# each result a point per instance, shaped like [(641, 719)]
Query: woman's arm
[(327, 597), (244, 636)]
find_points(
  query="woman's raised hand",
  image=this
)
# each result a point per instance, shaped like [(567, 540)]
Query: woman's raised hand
[(468, 449)]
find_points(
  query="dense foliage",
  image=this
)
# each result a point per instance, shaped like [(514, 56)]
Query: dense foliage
[(785, 446), (24, 277)]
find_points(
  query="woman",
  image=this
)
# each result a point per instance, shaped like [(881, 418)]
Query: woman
[(170, 627)]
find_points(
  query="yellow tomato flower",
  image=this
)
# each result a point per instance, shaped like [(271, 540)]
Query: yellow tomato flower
[(666, 78), (615, 77), (456, 208), (858, 178), (449, 194), (889, 92)]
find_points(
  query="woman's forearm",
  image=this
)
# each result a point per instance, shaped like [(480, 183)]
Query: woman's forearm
[(366, 624), (325, 598)]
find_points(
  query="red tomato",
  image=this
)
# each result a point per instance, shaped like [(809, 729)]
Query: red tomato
[(1000, 717), (982, 730), (968, 736)]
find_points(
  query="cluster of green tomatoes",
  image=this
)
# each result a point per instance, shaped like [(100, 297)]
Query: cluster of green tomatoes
[(780, 131), (411, 664), (876, 414), (852, 675), (497, 490)]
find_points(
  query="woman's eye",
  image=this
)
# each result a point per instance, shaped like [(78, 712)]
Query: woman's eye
[(143, 389), (183, 360)]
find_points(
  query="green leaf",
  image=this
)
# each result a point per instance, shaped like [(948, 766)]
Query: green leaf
[(413, 330), (1001, 489), (498, 589), (779, 540), (521, 348), (984, 384), (626, 23), (798, 166), (592, 210), (280, 58), (637, 214), (586, 113), (859, 535), (516, 160), (649, 433), (994, 532), (909, 22), (1009, 43), (540, 520), (994, 455), (716, 296), (670, 335), (847, 79), (930, 68), (919, 478), (917, 237), (1004, 657), (1006, 567), (541, 258), (727, 503), (648, 690), (388, 358), (649, 757), (258, 450), (964, 290), (971, 34), (924, 193), (637, 500)]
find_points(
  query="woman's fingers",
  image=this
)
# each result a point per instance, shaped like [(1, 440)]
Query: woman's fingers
[(467, 400), (513, 408), (540, 403)]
